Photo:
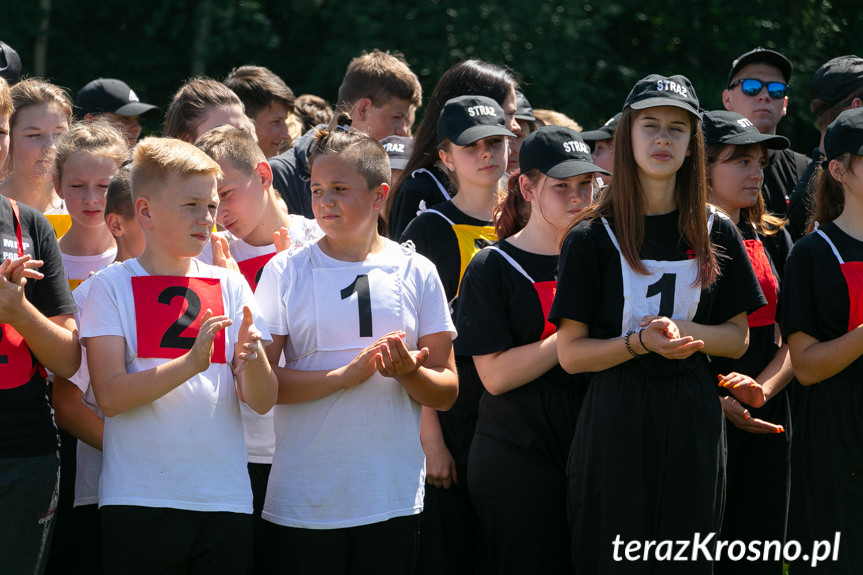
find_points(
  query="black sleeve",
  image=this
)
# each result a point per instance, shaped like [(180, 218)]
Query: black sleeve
[(737, 289), (292, 184), (51, 294), (579, 277), (482, 319), (799, 304), (433, 237), (407, 203), (800, 204), (779, 246)]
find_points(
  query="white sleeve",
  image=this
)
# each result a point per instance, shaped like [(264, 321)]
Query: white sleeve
[(270, 294), (104, 318), (434, 316)]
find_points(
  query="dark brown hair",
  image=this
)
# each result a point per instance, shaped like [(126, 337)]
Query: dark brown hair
[(365, 152), (512, 211), (829, 194), (380, 77), (258, 87), (191, 103), (624, 201)]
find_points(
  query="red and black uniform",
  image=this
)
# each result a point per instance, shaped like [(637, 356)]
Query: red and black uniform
[(517, 464), (449, 526), (758, 465), (648, 456), (822, 296)]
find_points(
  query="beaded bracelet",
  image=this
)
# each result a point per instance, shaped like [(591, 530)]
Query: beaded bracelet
[(626, 343)]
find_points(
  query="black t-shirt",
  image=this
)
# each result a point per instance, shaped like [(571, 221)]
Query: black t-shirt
[(815, 297), (436, 238), (499, 310), (590, 284), (420, 191), (26, 423), (762, 340), (784, 169), (801, 203)]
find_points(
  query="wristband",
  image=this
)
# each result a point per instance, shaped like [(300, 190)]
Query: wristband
[(642, 342), (626, 343)]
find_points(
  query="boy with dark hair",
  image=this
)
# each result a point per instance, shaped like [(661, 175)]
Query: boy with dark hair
[(268, 101), (172, 334), (380, 92), (115, 101)]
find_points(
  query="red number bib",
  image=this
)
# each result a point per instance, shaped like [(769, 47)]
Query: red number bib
[(252, 268), (765, 315), (168, 311)]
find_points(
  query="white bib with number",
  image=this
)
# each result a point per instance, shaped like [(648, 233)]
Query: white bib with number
[(668, 289)]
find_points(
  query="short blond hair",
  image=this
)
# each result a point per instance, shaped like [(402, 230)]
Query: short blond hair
[(98, 137), (6, 105), (235, 145), (156, 159)]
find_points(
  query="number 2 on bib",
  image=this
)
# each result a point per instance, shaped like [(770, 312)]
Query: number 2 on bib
[(360, 286), (664, 288)]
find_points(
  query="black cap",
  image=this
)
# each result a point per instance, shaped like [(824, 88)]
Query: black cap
[(606, 132), (399, 149), (112, 96), (760, 54), (10, 64), (523, 109), (656, 90), (724, 127), (836, 79), (557, 152), (466, 119), (845, 134)]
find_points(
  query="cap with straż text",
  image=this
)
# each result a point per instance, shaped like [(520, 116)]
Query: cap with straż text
[(466, 119)]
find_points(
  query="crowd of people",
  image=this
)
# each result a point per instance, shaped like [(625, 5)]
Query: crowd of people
[(289, 337)]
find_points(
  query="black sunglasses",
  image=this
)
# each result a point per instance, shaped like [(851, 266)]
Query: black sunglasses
[(753, 87)]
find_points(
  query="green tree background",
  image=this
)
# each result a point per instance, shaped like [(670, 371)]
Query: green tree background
[(579, 57)]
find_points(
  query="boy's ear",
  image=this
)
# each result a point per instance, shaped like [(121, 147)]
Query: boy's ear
[(142, 212), (726, 99), (115, 224), (381, 192), (57, 186), (361, 108), (265, 173)]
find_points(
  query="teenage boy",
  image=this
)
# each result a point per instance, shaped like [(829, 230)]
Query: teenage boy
[(115, 101), (382, 94), (757, 88), (171, 334), (268, 101), (836, 86), (36, 330)]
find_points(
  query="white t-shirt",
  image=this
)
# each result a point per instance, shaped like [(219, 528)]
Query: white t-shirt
[(79, 268), (258, 429), (185, 450), (353, 457)]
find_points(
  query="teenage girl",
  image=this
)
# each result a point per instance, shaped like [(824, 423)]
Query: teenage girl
[(425, 181), (755, 400), (517, 463), (472, 146), (367, 339), (200, 105), (642, 298), (42, 114), (822, 318)]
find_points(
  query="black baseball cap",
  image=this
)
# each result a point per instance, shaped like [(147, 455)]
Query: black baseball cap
[(760, 54), (833, 81), (724, 127), (523, 109), (10, 64), (845, 134), (606, 132), (466, 119), (112, 96), (398, 149), (558, 152), (656, 90)]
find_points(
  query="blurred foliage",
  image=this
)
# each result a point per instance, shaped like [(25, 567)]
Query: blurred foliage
[(577, 57)]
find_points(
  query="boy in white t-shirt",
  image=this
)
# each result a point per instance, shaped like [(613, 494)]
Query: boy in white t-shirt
[(257, 225), (171, 334), (365, 330)]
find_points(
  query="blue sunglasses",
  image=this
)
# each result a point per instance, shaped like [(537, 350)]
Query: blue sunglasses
[(753, 87)]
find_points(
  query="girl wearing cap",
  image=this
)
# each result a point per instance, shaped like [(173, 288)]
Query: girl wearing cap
[(642, 298), (42, 114), (822, 318), (425, 181), (517, 464), (472, 145), (754, 397)]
